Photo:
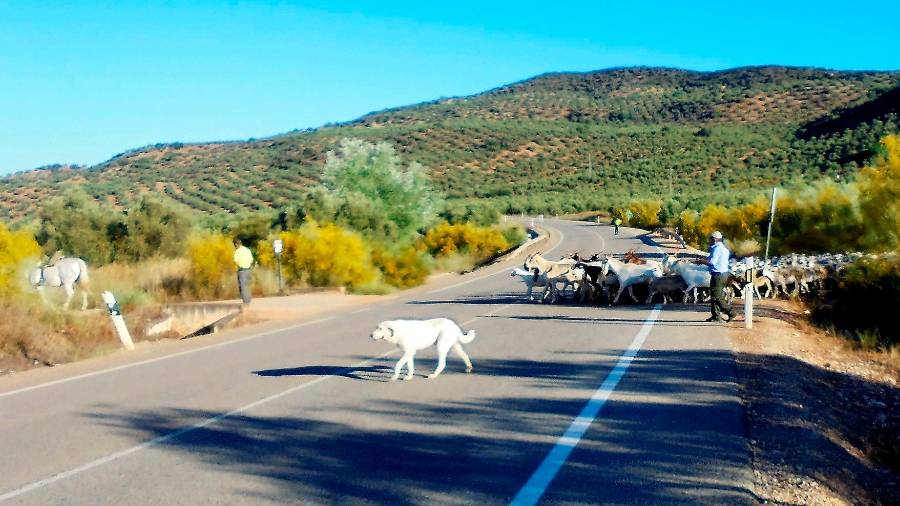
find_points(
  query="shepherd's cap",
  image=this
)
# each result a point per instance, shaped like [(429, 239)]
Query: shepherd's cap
[(716, 235)]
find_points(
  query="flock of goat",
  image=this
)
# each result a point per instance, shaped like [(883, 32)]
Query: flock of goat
[(604, 278)]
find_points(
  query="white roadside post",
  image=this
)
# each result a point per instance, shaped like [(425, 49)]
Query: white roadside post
[(749, 274), (771, 221), (118, 321), (532, 222), (277, 248)]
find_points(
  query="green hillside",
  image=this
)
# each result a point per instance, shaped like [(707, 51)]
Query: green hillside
[(554, 143)]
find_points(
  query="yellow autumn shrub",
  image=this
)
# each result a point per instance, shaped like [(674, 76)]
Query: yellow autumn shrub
[(879, 188), (17, 250), (736, 224), (481, 243), (643, 213), (688, 224), (324, 255), (212, 265), (404, 269)]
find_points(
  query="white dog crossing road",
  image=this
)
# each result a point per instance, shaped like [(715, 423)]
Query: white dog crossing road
[(306, 415), (414, 335)]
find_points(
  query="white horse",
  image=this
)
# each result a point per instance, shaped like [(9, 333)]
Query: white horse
[(65, 273)]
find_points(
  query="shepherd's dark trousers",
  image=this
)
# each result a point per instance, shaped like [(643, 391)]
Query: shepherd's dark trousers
[(243, 279), (719, 304)]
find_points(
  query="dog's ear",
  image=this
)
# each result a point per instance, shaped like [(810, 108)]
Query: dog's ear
[(391, 329)]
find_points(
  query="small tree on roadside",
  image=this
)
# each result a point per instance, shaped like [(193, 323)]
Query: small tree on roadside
[(78, 226), (374, 193), (154, 228)]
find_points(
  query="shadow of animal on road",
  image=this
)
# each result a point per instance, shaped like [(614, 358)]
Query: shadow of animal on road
[(364, 373), (604, 321)]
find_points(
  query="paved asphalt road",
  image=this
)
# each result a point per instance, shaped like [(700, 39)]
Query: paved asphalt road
[(307, 415)]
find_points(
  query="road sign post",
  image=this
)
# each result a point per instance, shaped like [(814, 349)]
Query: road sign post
[(277, 248), (115, 313)]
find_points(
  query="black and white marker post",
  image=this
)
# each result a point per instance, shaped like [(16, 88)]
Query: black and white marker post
[(277, 248), (118, 321), (749, 274)]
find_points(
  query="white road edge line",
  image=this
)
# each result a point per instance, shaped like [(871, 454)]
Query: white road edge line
[(164, 357), (534, 488), (199, 425), (501, 271)]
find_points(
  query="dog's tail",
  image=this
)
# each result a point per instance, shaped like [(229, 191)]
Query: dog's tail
[(468, 337)]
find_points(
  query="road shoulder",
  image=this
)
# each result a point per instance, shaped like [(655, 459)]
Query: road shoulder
[(822, 417)]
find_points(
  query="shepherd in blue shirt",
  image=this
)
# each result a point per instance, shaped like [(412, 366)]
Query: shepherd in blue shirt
[(718, 270)]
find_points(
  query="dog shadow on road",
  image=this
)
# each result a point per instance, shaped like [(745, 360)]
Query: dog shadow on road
[(372, 372)]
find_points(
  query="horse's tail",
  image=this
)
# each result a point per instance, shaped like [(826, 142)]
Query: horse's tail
[(83, 276)]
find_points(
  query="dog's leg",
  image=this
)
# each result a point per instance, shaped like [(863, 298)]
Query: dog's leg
[(410, 367), (442, 362), (462, 354), (399, 366)]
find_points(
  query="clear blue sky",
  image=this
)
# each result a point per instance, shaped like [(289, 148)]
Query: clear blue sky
[(82, 81)]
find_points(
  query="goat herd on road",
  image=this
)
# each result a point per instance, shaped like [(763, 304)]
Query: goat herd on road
[(645, 277)]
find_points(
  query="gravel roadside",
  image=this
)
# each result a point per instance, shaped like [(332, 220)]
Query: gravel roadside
[(822, 417)]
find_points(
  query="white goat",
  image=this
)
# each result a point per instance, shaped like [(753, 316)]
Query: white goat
[(530, 278), (695, 276), (630, 275)]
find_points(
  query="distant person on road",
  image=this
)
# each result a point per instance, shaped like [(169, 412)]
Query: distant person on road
[(243, 258), (616, 222), (718, 270)]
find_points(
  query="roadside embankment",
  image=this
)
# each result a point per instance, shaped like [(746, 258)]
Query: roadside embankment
[(823, 417)]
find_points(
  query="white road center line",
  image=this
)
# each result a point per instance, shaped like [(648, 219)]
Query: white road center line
[(535, 487), (204, 423)]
